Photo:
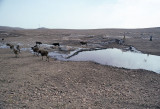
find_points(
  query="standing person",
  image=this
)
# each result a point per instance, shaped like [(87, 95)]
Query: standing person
[(151, 38), (124, 38), (3, 40)]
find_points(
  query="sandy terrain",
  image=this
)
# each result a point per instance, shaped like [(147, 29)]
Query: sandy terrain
[(31, 83)]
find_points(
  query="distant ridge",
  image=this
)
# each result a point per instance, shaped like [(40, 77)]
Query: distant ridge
[(10, 28), (42, 28)]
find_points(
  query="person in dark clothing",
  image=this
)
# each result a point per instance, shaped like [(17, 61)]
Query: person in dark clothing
[(150, 38)]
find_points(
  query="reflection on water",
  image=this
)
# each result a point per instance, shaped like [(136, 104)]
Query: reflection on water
[(118, 58)]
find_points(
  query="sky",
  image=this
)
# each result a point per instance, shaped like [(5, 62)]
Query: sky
[(80, 14)]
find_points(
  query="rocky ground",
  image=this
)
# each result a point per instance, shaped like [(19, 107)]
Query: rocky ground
[(31, 83)]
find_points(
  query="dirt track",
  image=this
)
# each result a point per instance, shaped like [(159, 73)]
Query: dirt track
[(29, 82)]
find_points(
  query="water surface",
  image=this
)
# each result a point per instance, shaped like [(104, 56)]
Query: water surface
[(119, 58)]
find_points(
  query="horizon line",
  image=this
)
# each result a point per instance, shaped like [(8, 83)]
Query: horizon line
[(77, 28)]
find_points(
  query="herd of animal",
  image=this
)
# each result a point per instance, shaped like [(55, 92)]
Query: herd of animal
[(16, 50), (36, 49)]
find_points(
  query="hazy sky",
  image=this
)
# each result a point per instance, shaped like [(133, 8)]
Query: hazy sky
[(80, 14)]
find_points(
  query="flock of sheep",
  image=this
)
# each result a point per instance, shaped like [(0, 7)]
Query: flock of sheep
[(16, 50), (36, 50)]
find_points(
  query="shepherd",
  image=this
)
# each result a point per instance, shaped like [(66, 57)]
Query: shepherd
[(124, 37), (150, 38)]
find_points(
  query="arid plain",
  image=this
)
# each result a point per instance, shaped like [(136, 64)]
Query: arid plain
[(32, 83)]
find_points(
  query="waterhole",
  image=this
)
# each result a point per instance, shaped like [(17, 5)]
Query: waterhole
[(118, 58)]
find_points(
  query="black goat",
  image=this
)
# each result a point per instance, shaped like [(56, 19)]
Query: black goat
[(56, 44), (38, 43), (83, 43), (10, 45)]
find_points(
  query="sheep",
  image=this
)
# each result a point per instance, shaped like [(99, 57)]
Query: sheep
[(35, 46), (119, 41), (10, 45), (38, 43), (18, 48), (56, 44), (44, 53), (83, 43), (35, 50), (16, 52)]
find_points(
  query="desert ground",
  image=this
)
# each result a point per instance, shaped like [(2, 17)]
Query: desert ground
[(28, 82)]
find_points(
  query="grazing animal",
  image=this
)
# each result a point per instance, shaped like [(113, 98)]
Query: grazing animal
[(18, 48), (2, 39), (119, 41), (83, 43), (35, 46), (10, 45), (35, 50), (16, 52), (56, 44), (38, 43), (130, 47), (44, 53)]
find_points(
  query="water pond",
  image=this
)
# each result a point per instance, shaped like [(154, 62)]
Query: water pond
[(118, 58)]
